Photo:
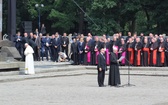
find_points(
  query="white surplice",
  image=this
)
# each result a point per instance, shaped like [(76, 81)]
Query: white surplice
[(29, 61)]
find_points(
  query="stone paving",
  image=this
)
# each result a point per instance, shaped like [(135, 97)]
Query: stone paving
[(83, 90), (64, 84), (46, 69)]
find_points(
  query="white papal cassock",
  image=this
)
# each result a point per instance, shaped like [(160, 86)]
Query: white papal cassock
[(29, 62)]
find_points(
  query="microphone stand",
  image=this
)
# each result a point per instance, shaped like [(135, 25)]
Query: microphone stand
[(128, 84)]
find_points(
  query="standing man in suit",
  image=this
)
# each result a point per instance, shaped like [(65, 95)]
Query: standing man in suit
[(43, 30), (38, 43), (25, 39), (65, 43), (74, 51), (51, 45), (18, 43), (47, 41), (101, 67), (56, 44), (81, 46)]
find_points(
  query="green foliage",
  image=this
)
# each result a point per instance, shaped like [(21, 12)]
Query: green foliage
[(107, 16), (61, 20)]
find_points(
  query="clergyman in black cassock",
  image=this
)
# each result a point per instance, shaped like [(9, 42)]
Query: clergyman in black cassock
[(101, 67), (74, 51), (161, 60), (166, 51), (64, 44), (146, 52), (114, 74)]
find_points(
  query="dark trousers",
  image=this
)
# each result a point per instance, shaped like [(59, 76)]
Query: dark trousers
[(36, 53), (23, 56), (65, 49), (20, 50), (81, 58), (166, 54), (52, 53), (56, 51), (101, 75), (75, 58), (42, 52), (47, 50)]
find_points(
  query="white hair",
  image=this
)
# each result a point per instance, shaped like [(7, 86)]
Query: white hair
[(114, 48)]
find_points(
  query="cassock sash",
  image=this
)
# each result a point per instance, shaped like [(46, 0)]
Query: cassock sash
[(123, 54), (139, 57), (88, 54), (131, 59), (147, 50), (154, 56), (162, 55), (97, 53), (107, 57)]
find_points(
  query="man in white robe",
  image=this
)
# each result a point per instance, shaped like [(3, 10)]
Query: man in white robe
[(29, 61)]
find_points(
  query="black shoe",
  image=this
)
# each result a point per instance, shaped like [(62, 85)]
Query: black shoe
[(118, 85), (102, 86)]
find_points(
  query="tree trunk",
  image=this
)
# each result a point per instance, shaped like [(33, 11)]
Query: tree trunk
[(133, 26), (81, 22), (148, 19)]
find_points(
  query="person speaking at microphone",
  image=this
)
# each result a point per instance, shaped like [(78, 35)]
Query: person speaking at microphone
[(114, 74)]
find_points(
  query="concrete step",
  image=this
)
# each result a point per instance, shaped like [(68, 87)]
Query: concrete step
[(133, 68), (11, 65), (16, 68), (40, 75), (73, 71), (59, 67), (137, 73)]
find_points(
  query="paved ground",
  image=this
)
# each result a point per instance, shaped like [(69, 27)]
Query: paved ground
[(83, 90)]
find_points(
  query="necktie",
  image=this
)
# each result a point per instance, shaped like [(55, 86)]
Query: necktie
[(103, 56)]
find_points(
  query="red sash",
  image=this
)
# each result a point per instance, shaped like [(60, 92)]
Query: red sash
[(154, 56), (162, 55), (139, 57), (131, 59)]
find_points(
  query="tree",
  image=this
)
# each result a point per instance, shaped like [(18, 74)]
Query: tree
[(97, 16)]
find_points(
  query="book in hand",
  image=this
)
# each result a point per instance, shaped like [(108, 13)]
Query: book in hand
[(121, 58)]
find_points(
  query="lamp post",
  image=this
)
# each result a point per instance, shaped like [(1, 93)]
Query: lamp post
[(39, 6)]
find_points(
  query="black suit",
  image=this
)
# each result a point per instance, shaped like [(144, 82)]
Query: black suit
[(18, 44), (24, 40), (74, 51), (166, 52), (52, 48), (65, 41), (102, 65), (56, 42), (81, 46)]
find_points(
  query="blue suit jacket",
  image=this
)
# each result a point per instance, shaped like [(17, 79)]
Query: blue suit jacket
[(57, 43), (81, 46), (18, 43)]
